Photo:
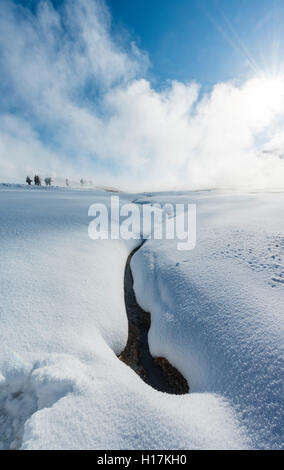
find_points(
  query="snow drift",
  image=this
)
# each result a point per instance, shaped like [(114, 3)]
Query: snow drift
[(63, 322)]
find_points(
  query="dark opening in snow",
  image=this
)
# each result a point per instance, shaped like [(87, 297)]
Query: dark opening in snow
[(157, 372)]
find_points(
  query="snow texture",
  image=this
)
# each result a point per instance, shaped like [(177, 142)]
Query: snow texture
[(217, 311), (215, 315)]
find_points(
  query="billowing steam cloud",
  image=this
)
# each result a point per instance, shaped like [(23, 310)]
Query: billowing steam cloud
[(76, 101)]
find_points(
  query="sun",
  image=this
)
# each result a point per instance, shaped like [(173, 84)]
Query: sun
[(266, 93)]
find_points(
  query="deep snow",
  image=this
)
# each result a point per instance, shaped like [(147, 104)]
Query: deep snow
[(217, 311), (216, 315)]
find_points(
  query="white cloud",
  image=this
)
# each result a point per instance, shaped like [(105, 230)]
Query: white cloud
[(76, 103)]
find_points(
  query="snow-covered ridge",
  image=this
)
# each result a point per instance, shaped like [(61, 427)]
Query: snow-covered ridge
[(217, 312)]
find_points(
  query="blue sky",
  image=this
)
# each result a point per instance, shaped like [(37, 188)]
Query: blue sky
[(152, 93), (200, 39), (193, 39)]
